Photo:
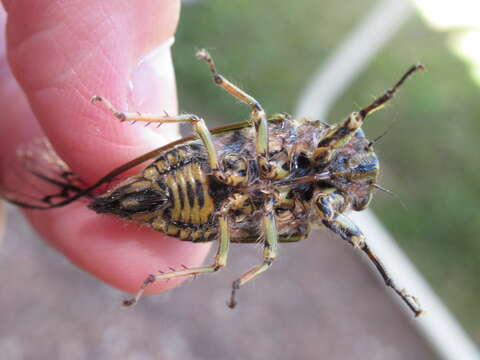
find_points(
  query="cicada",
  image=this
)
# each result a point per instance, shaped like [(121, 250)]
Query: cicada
[(267, 180)]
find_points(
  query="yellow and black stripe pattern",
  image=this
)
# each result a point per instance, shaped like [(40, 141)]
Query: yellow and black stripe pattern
[(189, 214)]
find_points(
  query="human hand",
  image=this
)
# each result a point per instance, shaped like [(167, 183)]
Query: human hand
[(61, 53)]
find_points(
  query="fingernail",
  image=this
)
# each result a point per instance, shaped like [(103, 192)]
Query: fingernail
[(152, 86)]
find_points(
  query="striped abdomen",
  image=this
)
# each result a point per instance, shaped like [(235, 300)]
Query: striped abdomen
[(181, 174), (172, 195)]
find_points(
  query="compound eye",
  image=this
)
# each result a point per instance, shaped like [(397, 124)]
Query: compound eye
[(362, 203)]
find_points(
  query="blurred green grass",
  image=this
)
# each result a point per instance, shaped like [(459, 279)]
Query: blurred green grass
[(429, 157)]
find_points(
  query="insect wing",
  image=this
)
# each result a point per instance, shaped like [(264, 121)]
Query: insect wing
[(37, 178)]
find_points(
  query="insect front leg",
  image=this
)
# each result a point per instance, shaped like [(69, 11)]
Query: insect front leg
[(270, 251), (342, 133), (220, 261), (258, 117), (199, 127), (347, 230)]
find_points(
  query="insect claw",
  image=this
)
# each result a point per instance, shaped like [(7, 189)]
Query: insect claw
[(202, 54), (128, 303), (419, 66), (172, 269), (96, 98), (184, 266), (419, 312)]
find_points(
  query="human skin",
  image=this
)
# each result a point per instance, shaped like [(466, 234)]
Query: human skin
[(57, 55)]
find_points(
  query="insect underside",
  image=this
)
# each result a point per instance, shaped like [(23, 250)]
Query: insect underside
[(265, 180)]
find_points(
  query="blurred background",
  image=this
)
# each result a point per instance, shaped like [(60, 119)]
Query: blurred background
[(319, 300)]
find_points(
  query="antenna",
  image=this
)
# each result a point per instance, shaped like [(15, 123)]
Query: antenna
[(390, 192)]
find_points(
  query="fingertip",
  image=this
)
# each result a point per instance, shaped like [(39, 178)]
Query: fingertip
[(86, 48)]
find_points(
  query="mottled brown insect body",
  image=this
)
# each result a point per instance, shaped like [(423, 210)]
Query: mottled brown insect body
[(267, 180), (178, 195)]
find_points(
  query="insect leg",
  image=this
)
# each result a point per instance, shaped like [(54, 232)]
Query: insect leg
[(348, 231), (342, 133), (388, 95), (258, 116), (220, 261), (269, 252), (199, 127)]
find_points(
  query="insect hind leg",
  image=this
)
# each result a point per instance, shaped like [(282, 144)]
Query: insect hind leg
[(258, 117), (269, 253), (348, 231), (220, 261)]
